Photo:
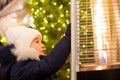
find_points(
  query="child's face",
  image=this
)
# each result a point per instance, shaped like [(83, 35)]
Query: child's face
[(38, 45)]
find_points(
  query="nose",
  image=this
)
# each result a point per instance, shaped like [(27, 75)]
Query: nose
[(43, 46)]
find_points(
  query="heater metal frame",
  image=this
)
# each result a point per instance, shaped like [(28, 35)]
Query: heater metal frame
[(74, 38)]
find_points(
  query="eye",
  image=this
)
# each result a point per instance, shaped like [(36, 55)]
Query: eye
[(36, 41)]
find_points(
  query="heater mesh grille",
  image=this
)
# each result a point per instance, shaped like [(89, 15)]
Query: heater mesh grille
[(99, 32)]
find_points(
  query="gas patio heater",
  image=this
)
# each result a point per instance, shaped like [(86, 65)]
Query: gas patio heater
[(95, 53)]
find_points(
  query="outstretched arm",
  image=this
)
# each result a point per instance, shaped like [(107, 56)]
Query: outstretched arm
[(55, 60)]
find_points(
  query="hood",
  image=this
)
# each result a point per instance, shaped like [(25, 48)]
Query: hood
[(6, 56)]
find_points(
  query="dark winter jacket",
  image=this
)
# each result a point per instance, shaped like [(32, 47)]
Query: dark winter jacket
[(33, 69)]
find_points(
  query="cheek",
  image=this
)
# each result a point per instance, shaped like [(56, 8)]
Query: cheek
[(38, 47)]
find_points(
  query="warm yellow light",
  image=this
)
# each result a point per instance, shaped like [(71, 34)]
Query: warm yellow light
[(3, 39), (81, 53), (51, 16), (54, 3), (44, 48), (36, 13), (63, 35), (68, 70), (79, 62), (59, 21), (91, 42), (32, 9), (68, 76), (36, 3), (52, 25), (62, 15), (37, 10), (69, 3), (30, 2), (42, 0), (66, 11), (40, 8), (44, 11), (42, 28), (61, 6), (45, 38), (45, 20), (67, 21), (83, 46), (52, 46), (59, 29), (85, 33), (46, 31), (64, 24)]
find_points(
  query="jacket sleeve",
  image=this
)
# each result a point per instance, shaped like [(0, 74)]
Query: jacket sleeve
[(54, 60), (58, 56)]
